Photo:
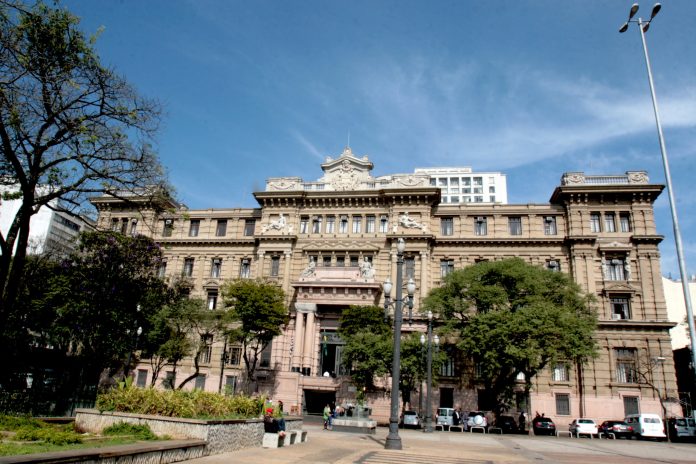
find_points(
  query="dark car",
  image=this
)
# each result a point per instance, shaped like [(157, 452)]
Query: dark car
[(620, 429), (507, 424), (543, 426)]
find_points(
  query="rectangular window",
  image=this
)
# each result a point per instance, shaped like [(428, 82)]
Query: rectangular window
[(384, 224), (216, 268), (124, 226), (553, 265), (194, 226), (326, 261), (625, 222), (615, 269), (249, 227), (562, 404), (316, 224), (630, 405), (446, 267), (447, 226), (357, 224), (234, 356), (492, 199), (340, 261), (560, 373), (515, 225), (594, 223), (200, 382), (212, 299), (245, 269), (304, 224), (188, 267), (491, 189), (330, 224), (480, 226), (134, 226), (343, 225), (162, 271), (206, 348), (626, 365), (478, 199), (370, 224), (550, 225), (266, 356), (230, 384), (115, 225), (221, 228), (620, 308), (447, 366), (275, 266), (409, 267), (354, 261), (141, 379), (169, 380), (609, 222), (168, 228)]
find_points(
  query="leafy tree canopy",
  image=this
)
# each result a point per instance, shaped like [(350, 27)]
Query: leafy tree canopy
[(69, 127), (257, 313), (513, 317)]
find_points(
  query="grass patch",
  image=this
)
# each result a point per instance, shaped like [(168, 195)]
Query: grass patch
[(141, 432), (13, 449)]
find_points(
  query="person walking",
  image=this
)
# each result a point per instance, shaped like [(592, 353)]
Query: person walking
[(327, 417)]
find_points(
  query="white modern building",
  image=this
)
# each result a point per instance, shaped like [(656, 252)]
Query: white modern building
[(462, 185), (676, 310)]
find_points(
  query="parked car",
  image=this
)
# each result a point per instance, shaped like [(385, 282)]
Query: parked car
[(543, 426), (410, 419), (646, 426), (679, 429), (620, 429), (583, 426), (476, 419), (506, 423), (444, 416)]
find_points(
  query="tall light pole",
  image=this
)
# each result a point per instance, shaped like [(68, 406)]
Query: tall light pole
[(659, 361), (393, 440), (643, 28), (428, 406)]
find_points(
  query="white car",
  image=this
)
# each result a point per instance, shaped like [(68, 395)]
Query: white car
[(476, 419), (583, 426)]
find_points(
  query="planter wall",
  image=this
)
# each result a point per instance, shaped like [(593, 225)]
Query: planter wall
[(220, 435)]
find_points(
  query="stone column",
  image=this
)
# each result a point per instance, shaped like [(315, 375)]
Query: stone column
[(308, 350), (296, 361), (424, 283), (261, 259), (286, 273)]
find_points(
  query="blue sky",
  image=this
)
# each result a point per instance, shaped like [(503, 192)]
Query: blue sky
[(255, 89)]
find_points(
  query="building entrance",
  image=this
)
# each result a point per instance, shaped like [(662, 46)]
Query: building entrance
[(331, 352), (316, 400)]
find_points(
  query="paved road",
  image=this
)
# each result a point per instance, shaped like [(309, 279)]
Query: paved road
[(453, 447)]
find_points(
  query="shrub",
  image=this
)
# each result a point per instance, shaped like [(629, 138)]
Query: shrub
[(195, 404), (17, 422), (141, 432), (49, 435)]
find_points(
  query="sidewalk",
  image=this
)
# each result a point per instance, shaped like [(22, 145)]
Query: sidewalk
[(449, 448)]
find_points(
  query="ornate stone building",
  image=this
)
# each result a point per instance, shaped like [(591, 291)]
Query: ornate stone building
[(331, 243)]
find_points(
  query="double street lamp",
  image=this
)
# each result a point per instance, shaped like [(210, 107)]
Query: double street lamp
[(393, 440), (428, 406), (643, 28)]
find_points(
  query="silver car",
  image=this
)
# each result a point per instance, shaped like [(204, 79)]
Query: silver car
[(445, 416), (411, 419)]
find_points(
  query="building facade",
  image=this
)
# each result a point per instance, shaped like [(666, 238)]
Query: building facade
[(331, 243)]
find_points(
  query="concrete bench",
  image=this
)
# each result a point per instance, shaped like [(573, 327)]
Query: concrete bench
[(276, 440)]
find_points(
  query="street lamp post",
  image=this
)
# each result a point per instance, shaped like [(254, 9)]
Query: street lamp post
[(428, 406), (643, 28), (130, 353), (393, 440), (659, 361)]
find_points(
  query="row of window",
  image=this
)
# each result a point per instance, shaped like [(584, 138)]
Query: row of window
[(358, 223), (609, 224), (220, 227), (481, 225), (563, 404)]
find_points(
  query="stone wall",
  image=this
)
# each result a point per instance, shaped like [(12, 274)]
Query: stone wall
[(220, 435)]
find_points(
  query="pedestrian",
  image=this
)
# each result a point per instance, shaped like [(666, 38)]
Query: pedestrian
[(522, 421), (327, 417), (457, 416)]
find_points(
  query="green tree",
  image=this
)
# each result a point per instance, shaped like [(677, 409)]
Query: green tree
[(69, 128), (256, 313), (512, 317), (368, 346)]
